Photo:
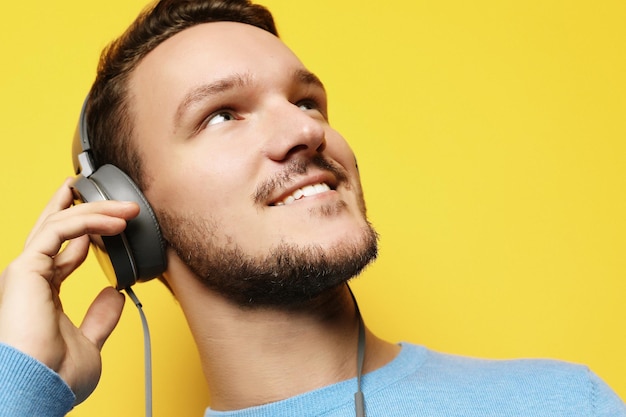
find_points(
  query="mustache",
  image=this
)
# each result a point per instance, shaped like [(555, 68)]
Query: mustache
[(293, 168)]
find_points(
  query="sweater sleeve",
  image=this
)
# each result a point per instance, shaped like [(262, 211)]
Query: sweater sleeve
[(605, 401), (29, 388)]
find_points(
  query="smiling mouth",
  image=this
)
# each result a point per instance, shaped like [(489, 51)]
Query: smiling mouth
[(300, 193)]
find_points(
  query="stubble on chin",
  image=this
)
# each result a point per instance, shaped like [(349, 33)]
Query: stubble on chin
[(287, 276)]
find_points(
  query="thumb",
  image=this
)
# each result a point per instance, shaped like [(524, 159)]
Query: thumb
[(102, 316)]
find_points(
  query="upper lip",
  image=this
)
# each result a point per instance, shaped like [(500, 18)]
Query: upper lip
[(322, 177)]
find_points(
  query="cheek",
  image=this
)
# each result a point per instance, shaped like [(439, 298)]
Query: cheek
[(204, 180), (339, 150), (205, 163), (197, 186)]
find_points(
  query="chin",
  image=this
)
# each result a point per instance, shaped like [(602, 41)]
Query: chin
[(290, 275)]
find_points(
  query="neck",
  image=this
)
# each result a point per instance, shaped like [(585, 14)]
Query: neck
[(253, 356)]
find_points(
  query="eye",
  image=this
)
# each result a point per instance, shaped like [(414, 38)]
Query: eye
[(219, 117), (307, 105), (312, 105)]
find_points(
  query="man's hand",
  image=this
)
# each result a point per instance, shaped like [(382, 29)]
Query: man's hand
[(31, 315)]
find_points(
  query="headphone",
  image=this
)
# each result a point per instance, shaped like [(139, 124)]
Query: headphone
[(138, 253)]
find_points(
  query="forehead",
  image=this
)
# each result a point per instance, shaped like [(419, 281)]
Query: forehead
[(212, 51)]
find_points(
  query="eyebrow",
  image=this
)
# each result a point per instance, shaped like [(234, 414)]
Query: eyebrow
[(308, 78), (202, 92)]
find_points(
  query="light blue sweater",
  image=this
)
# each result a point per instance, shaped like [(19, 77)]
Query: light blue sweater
[(423, 383), (419, 382), (29, 388)]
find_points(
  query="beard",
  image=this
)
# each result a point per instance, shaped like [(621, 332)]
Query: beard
[(288, 276)]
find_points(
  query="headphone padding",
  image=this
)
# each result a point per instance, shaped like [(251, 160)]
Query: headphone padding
[(143, 233)]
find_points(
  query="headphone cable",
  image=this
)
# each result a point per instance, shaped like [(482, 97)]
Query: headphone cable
[(147, 352), (359, 398)]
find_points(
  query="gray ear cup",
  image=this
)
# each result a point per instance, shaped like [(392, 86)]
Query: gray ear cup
[(137, 254)]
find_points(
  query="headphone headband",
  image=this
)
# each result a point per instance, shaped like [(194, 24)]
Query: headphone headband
[(81, 147)]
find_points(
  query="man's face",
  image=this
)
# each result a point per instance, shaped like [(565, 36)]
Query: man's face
[(248, 179)]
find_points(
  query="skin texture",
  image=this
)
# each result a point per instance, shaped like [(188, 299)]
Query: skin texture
[(230, 122)]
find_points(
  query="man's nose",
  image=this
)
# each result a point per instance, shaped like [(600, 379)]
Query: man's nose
[(293, 130)]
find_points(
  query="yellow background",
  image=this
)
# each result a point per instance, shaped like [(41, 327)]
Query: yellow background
[(490, 136)]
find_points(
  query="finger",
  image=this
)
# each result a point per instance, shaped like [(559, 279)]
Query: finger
[(101, 218), (102, 316), (70, 258), (61, 199)]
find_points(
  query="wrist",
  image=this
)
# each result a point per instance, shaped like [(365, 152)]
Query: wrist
[(42, 391)]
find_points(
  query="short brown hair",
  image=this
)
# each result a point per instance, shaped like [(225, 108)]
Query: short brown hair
[(109, 116)]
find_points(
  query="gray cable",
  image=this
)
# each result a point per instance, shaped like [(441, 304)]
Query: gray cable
[(359, 399), (147, 351)]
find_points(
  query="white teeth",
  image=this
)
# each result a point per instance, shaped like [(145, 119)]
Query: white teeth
[(306, 191)]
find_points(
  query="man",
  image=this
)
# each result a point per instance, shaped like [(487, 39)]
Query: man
[(226, 133)]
